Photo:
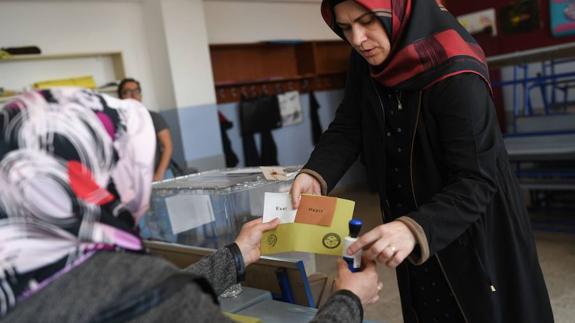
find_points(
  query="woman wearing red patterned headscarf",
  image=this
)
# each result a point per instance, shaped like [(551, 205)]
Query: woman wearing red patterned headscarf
[(418, 109)]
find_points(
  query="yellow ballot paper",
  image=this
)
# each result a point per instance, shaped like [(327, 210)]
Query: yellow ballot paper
[(305, 237), (242, 318)]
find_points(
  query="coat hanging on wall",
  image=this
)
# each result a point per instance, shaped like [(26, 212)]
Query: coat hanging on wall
[(259, 115), (230, 155), (314, 116)]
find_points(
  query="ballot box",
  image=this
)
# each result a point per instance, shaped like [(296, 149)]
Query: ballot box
[(208, 209)]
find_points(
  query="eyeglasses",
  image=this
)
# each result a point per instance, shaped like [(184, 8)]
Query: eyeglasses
[(127, 92)]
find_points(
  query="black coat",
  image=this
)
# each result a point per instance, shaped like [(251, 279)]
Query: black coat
[(461, 190)]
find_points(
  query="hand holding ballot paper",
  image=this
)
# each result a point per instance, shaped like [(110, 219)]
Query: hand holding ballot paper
[(319, 225)]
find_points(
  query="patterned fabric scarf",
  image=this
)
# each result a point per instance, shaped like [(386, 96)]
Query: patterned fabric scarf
[(75, 176), (427, 43)]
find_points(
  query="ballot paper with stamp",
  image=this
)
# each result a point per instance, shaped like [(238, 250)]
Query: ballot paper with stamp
[(319, 225)]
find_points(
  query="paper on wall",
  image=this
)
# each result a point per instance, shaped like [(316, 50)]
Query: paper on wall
[(479, 21), (189, 211), (290, 108)]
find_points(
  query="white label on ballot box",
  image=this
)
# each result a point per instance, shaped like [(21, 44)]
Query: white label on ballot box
[(189, 211)]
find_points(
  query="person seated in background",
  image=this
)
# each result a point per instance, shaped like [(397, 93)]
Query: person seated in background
[(75, 177), (130, 88)]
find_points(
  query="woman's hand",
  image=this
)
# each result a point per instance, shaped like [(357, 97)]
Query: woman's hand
[(304, 184), (159, 175), (248, 240), (388, 243), (365, 283)]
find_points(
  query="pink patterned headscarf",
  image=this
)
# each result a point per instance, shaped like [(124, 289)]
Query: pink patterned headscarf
[(75, 177)]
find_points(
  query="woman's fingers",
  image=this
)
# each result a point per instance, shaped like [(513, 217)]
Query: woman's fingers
[(365, 240), (253, 222), (374, 250), (302, 184), (295, 194), (373, 300), (397, 259), (376, 297), (389, 244), (269, 225), (386, 254)]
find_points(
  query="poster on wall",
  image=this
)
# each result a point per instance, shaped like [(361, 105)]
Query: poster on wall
[(562, 14), (290, 108), (519, 16), (479, 22)]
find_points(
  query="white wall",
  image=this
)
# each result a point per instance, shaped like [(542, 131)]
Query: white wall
[(237, 21), (189, 52), (158, 52), (75, 27), (129, 26), (165, 46)]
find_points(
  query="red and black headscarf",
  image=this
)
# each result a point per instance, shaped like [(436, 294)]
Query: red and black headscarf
[(427, 43)]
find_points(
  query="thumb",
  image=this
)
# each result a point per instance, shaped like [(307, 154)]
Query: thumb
[(270, 225), (297, 188), (295, 195)]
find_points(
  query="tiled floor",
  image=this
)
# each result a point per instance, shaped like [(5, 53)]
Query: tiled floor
[(556, 254)]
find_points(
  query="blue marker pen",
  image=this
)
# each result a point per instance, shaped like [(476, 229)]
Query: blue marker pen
[(353, 262)]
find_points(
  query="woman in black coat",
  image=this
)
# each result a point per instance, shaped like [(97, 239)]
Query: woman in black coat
[(418, 108)]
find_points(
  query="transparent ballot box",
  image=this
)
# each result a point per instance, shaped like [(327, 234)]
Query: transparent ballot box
[(208, 209)]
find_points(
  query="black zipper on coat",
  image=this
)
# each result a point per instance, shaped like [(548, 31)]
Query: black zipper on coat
[(417, 205), (484, 268)]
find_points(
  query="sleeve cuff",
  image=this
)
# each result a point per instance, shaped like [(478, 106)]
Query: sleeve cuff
[(350, 294), (354, 298), (417, 257), (317, 176), (238, 261)]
